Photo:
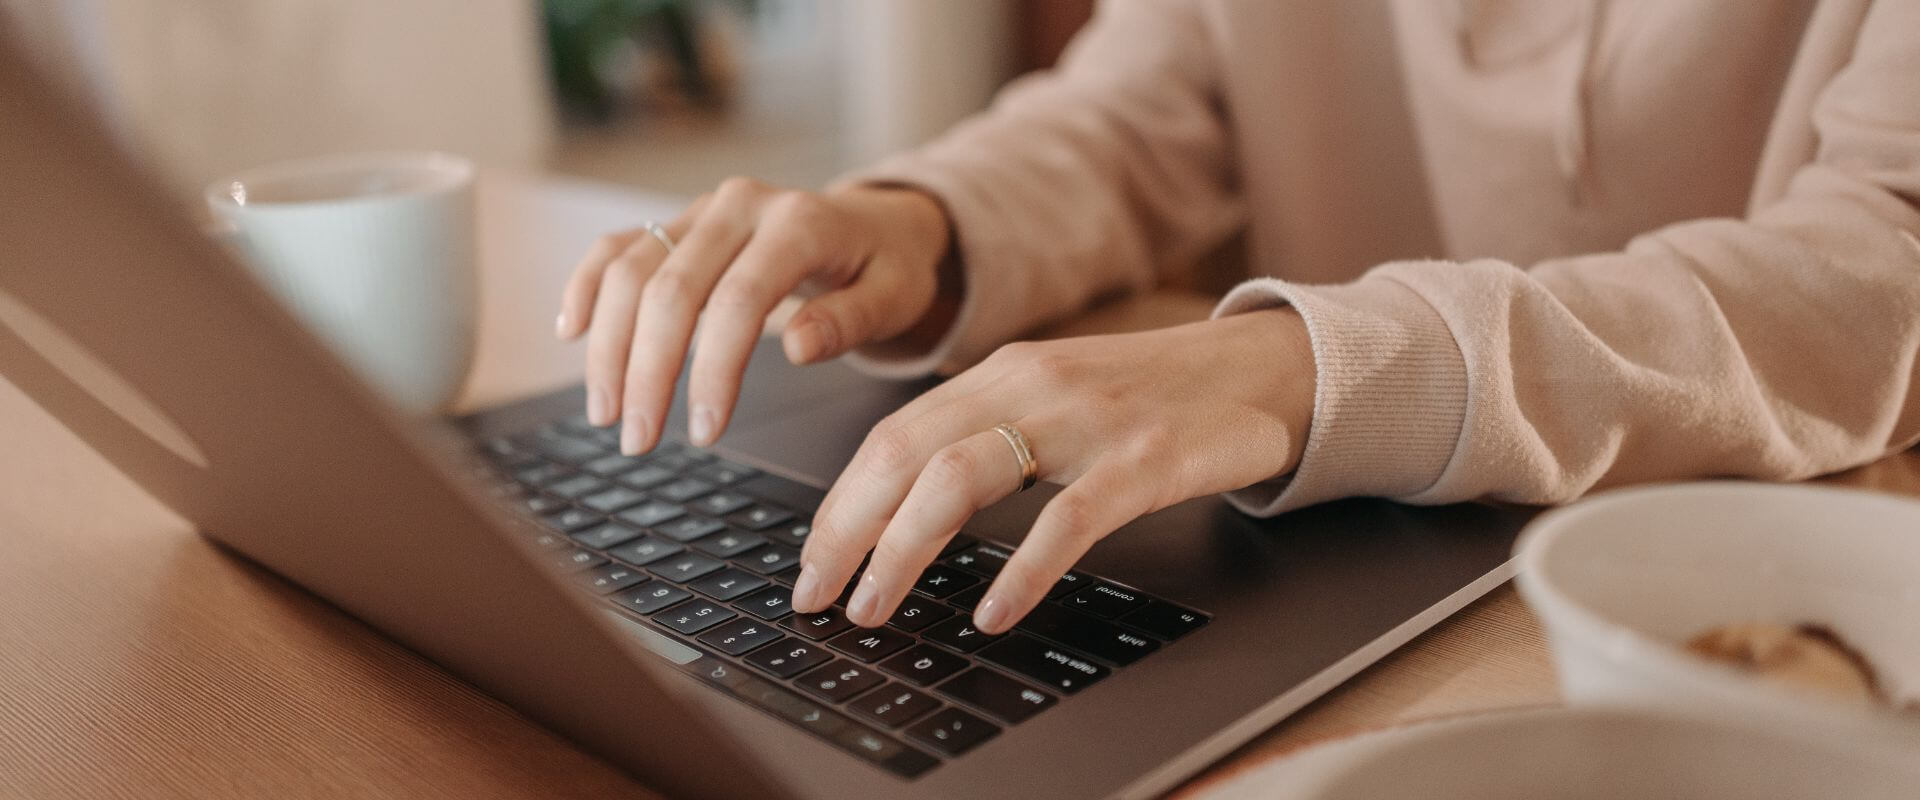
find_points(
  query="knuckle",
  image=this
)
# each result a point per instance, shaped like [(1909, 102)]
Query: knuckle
[(738, 187), (737, 298), (950, 471), (609, 243), (1012, 353), (892, 445), (1073, 515), (669, 284)]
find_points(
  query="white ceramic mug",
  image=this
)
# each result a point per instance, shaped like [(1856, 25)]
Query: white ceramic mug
[(375, 252)]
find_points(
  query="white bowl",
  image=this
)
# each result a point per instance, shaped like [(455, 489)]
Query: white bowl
[(1580, 754), (1623, 580)]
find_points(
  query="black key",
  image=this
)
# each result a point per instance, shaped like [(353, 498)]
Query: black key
[(684, 567), (892, 705), (728, 544), (610, 578), (682, 490), (576, 560), (735, 638), (727, 584), (959, 634), (940, 581), (542, 504), (789, 657), (770, 559), (984, 559), (956, 544), (760, 518), (651, 596), (650, 514), (548, 540), (839, 680), (720, 504), (966, 599), (504, 450), (923, 664), (645, 551), (1067, 584), (689, 528), (869, 644), (885, 752), (605, 536), (576, 487), (1095, 637), (723, 472), (794, 535), (819, 625), (568, 520), (542, 474), (916, 612), (952, 731), (1050, 666), (609, 466), (695, 615), (567, 448), (996, 694), (614, 499), (1105, 600), (772, 602), (668, 459), (647, 477), (1165, 620)]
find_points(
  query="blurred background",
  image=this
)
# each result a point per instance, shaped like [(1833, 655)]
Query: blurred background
[(670, 95)]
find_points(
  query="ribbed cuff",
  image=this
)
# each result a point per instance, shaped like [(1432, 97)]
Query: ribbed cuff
[(1391, 396)]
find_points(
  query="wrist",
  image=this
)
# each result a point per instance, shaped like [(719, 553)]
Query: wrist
[(1280, 363)]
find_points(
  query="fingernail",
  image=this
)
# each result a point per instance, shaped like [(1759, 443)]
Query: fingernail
[(702, 424), (635, 433), (861, 607), (804, 588), (991, 616), (597, 406), (560, 325)]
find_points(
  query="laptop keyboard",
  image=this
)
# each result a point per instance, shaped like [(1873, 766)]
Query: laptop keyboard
[(700, 554)]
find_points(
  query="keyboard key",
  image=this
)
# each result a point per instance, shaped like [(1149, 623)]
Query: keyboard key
[(651, 596), (689, 528), (818, 626), (772, 602), (884, 751), (892, 705), (568, 520), (576, 487), (720, 504), (605, 536), (541, 504), (1164, 620), (789, 658), (576, 560), (738, 637), (984, 559), (924, 664), (695, 615), (940, 581), (1095, 637), (542, 474), (682, 490), (610, 466), (760, 518), (968, 598), (869, 644), (1104, 600), (645, 551), (1067, 584), (722, 472), (727, 584), (566, 448), (684, 567), (728, 544), (650, 514), (610, 578), (996, 694), (794, 535), (647, 476), (1050, 666), (916, 612), (614, 499), (671, 460), (952, 731), (839, 680), (771, 559), (959, 634), (955, 544), (548, 540)]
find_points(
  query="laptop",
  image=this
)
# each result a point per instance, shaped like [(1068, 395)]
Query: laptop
[(639, 605)]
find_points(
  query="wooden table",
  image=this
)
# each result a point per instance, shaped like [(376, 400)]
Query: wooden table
[(138, 660)]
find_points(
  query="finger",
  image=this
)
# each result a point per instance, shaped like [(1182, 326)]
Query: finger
[(782, 251), (1097, 504), (611, 333), (829, 325), (670, 305), (959, 480), (583, 284)]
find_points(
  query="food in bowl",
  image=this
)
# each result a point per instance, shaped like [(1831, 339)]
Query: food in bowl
[(1805, 656)]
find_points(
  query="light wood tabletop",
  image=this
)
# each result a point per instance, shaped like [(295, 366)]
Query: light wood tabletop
[(138, 659)]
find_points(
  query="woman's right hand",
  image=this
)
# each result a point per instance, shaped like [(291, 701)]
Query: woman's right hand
[(872, 253)]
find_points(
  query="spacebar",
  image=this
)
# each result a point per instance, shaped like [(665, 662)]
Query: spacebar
[(812, 717)]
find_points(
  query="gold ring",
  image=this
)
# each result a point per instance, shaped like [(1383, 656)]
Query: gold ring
[(661, 234), (1029, 468)]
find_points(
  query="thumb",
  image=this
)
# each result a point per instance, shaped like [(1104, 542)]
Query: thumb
[(877, 305)]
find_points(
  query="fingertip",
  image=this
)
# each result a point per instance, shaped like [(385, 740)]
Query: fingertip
[(809, 341), (992, 615)]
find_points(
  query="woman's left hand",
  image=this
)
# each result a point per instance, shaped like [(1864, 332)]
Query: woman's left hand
[(1128, 423)]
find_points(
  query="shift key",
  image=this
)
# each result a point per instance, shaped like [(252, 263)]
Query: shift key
[(1095, 637)]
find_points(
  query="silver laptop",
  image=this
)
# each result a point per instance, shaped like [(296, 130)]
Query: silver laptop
[(638, 605)]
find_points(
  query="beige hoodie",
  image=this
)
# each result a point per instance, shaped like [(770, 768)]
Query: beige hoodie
[(1616, 241)]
